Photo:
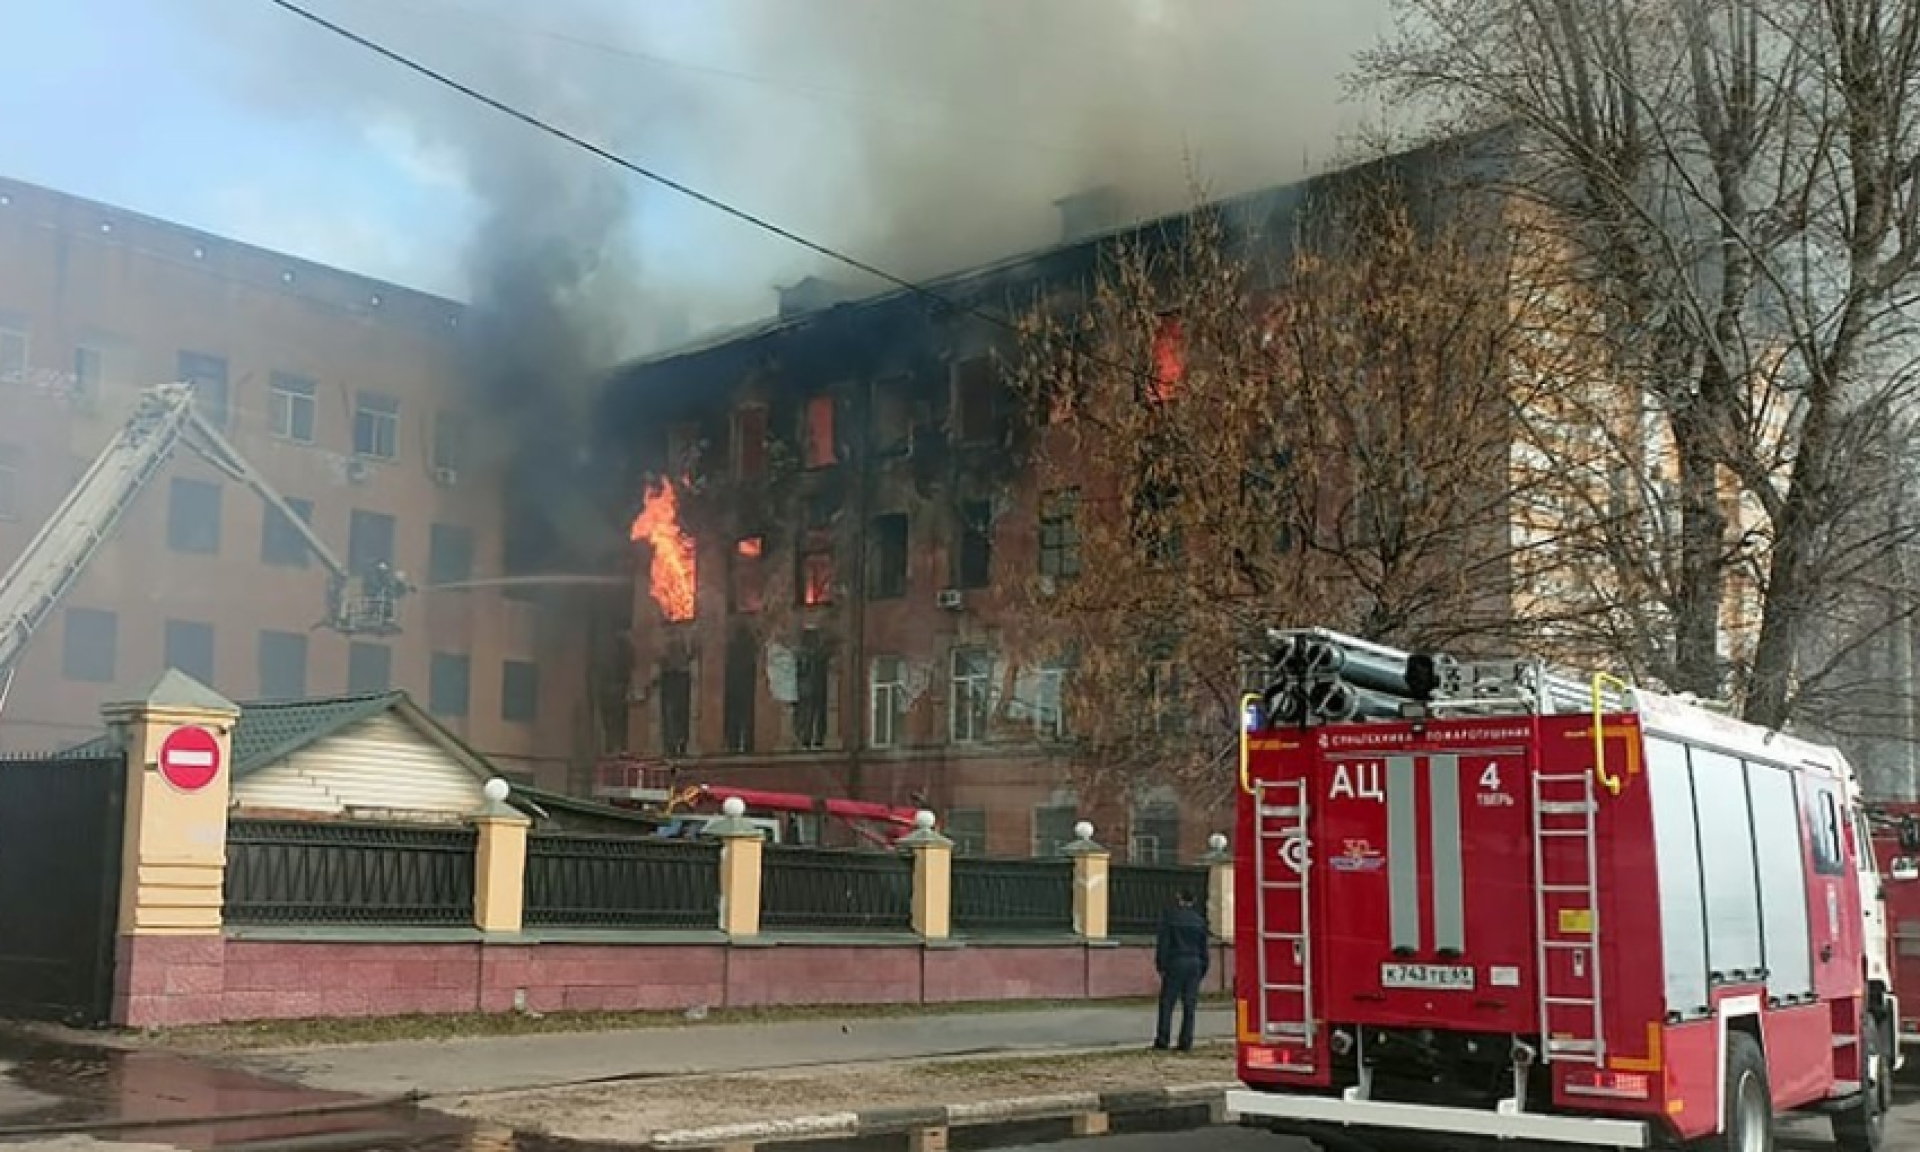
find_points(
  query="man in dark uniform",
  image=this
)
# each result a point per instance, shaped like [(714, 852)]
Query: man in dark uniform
[(1182, 955)]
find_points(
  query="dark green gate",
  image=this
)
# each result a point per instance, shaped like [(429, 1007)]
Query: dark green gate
[(60, 835)]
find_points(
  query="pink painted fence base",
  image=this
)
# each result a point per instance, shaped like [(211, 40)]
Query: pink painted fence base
[(172, 981)]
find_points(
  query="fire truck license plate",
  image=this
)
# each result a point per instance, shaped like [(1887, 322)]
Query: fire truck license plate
[(1442, 977)]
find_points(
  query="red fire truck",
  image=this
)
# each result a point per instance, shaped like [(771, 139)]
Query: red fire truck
[(1896, 840), (1482, 900)]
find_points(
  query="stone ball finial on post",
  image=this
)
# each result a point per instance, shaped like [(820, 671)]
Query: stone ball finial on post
[(733, 807), (496, 790)]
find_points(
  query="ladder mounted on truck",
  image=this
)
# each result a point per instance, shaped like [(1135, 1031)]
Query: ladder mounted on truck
[(166, 417), (1314, 676)]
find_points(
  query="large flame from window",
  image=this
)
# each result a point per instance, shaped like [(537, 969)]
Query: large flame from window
[(671, 579)]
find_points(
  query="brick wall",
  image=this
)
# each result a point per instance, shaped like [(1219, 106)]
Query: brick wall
[(170, 982)]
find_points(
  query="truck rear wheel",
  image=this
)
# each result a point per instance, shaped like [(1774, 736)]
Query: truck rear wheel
[(1863, 1126), (1746, 1115)]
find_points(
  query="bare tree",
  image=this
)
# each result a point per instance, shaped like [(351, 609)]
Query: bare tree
[(1250, 430), (1734, 185)]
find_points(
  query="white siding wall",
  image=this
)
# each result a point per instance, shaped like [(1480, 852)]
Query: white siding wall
[(379, 766)]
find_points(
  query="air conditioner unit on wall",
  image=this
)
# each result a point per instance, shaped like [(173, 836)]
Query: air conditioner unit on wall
[(445, 477), (949, 598)]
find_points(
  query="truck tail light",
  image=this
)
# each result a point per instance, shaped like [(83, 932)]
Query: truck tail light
[(1268, 1059), (1611, 1085)]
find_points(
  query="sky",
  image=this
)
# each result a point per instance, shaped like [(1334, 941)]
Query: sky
[(922, 135)]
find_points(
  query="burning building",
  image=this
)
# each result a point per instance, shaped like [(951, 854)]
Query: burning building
[(837, 529)]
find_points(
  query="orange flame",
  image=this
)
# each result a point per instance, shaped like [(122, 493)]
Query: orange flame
[(671, 578)]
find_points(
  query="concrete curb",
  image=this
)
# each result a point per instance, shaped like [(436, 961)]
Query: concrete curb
[(885, 1120)]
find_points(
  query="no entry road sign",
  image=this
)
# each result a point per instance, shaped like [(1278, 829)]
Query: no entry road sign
[(190, 758)]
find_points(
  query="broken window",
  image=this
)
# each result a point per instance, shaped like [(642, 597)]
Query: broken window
[(1060, 533), (376, 426), (208, 375), (973, 554), (814, 567), (887, 700), (892, 415), (812, 704), (738, 703), (452, 433), (750, 441), (676, 711), (972, 695), (887, 557), (973, 400), (747, 572), (370, 537), (816, 433)]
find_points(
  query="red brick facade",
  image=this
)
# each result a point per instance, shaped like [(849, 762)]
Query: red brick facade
[(175, 981)]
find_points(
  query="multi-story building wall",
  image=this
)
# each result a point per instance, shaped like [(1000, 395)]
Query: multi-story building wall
[(840, 532), (346, 393)]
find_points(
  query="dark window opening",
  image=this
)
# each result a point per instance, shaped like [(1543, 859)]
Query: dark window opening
[(887, 557), (676, 711), (750, 442), (813, 686), (369, 667), (816, 433), (449, 554), (370, 537), (743, 666), (1053, 828), (1155, 835), (449, 684), (452, 432), (519, 692), (892, 416), (193, 517), (967, 828), (89, 372), (90, 648), (747, 571), (281, 543), (376, 426), (814, 565), (1156, 531), (973, 561), (189, 648), (283, 665), (1060, 533), (208, 375), (974, 385)]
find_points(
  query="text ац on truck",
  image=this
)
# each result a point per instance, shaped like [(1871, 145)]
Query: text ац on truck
[(1484, 900)]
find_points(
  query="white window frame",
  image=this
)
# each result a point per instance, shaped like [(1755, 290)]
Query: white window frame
[(962, 689), (1050, 702), (380, 417), (886, 702), (283, 403)]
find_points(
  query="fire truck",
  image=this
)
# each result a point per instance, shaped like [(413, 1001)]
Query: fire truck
[(1488, 902), (1896, 840)]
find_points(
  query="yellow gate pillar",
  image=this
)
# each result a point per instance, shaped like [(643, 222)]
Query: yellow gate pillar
[(1090, 892), (932, 878), (171, 959)]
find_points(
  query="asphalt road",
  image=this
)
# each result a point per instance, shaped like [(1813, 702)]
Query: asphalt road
[(1799, 1134)]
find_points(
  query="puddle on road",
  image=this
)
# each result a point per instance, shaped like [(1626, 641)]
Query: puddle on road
[(74, 1096)]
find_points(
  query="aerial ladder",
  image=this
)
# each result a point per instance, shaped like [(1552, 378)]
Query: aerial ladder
[(366, 603)]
